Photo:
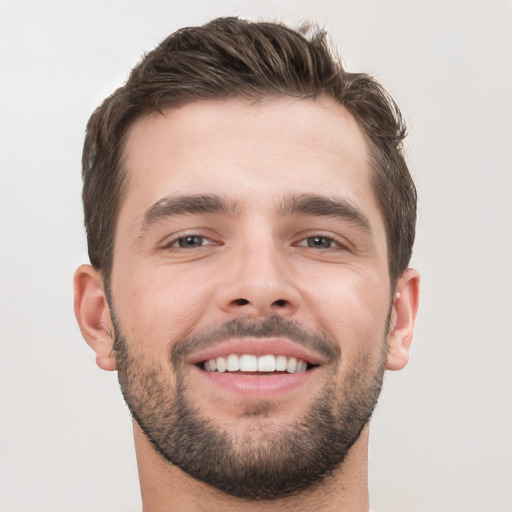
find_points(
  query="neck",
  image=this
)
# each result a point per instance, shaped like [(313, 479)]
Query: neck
[(165, 487)]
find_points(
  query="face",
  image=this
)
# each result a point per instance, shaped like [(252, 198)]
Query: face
[(250, 290)]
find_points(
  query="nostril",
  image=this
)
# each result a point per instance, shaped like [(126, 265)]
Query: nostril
[(281, 303), (241, 302)]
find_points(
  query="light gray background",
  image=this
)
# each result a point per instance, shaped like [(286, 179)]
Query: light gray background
[(442, 434)]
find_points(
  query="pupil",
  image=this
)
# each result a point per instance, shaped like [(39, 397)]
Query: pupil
[(320, 241), (190, 241)]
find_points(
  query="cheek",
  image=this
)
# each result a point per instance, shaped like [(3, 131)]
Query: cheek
[(352, 309), (157, 308)]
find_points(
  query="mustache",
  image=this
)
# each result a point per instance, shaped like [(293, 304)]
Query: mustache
[(271, 326)]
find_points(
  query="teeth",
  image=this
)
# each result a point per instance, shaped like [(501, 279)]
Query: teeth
[(281, 363), (221, 364), (250, 363), (233, 363), (301, 366), (266, 363), (291, 367)]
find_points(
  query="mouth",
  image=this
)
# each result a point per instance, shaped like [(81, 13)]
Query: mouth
[(255, 368), (251, 364)]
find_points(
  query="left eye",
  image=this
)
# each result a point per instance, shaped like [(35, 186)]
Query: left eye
[(318, 242), (191, 241)]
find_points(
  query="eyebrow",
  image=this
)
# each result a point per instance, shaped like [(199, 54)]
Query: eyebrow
[(322, 206), (305, 204), (171, 206)]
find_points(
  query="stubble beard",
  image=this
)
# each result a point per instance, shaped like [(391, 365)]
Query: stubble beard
[(268, 461)]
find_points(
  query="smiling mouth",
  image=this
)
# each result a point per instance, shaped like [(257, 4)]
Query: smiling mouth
[(253, 365)]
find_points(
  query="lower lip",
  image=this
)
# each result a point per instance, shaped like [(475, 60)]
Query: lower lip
[(256, 386)]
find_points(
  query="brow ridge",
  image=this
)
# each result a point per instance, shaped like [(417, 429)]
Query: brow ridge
[(323, 206), (170, 206), (292, 204)]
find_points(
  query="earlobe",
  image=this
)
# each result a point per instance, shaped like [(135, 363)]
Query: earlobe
[(403, 316), (93, 315)]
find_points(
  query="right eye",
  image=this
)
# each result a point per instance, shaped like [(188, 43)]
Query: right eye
[(319, 242), (190, 242)]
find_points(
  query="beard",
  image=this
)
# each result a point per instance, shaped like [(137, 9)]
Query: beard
[(269, 461)]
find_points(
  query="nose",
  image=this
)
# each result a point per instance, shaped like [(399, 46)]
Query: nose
[(258, 282)]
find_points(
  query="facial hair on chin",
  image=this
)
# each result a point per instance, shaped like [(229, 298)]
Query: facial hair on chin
[(263, 465)]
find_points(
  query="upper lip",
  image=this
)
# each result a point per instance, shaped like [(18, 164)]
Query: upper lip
[(258, 347)]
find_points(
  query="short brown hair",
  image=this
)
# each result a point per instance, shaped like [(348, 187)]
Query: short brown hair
[(229, 57)]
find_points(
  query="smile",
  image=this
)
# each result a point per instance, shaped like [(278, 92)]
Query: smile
[(255, 368), (267, 363)]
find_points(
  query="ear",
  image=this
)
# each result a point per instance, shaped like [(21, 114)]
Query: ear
[(93, 315), (403, 316)]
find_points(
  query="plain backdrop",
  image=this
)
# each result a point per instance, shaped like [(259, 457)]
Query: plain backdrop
[(441, 438)]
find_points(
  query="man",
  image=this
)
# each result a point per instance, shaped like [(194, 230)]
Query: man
[(250, 219)]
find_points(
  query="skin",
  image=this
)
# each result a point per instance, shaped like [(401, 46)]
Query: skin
[(255, 154)]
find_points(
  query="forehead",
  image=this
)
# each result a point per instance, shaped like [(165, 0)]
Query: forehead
[(247, 150)]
